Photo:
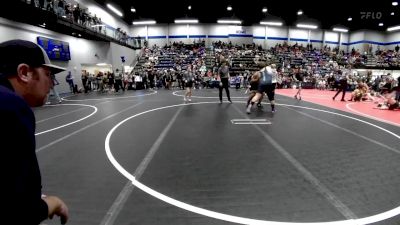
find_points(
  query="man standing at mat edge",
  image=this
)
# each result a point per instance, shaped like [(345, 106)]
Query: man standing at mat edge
[(342, 86), (25, 81), (224, 78)]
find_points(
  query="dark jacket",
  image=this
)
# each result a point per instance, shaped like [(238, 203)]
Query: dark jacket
[(343, 82), (20, 174)]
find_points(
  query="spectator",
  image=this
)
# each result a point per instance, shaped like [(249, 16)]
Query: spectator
[(50, 5), (188, 78), (238, 80), (77, 14), (70, 80), (224, 78), (60, 9), (118, 81), (92, 84), (84, 17), (41, 4), (342, 87), (99, 81), (397, 89), (25, 81), (53, 90), (35, 3), (110, 78), (84, 78), (68, 11), (100, 25), (299, 78)]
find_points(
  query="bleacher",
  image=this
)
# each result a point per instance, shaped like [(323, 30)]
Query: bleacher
[(241, 64), (210, 58), (165, 61)]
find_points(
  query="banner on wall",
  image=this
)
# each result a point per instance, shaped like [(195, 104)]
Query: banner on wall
[(55, 49), (241, 31), (237, 30)]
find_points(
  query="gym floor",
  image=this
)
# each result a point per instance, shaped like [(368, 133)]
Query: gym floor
[(146, 157)]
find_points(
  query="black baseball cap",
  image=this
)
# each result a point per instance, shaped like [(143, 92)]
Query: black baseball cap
[(15, 52)]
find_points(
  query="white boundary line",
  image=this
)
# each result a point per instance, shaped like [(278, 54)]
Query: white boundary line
[(250, 121), (63, 114), (175, 93), (118, 204), (247, 123), (84, 128), (369, 116), (254, 120), (59, 115), (235, 219), (95, 99), (353, 110), (56, 128), (317, 184), (305, 96)]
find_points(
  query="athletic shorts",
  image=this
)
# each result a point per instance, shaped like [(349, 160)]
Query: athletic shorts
[(269, 89), (189, 84)]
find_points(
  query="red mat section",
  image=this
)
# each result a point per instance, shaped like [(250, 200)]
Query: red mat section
[(365, 109)]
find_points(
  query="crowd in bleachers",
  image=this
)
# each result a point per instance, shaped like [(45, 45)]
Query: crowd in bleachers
[(79, 15), (165, 66), (321, 68), (388, 58)]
